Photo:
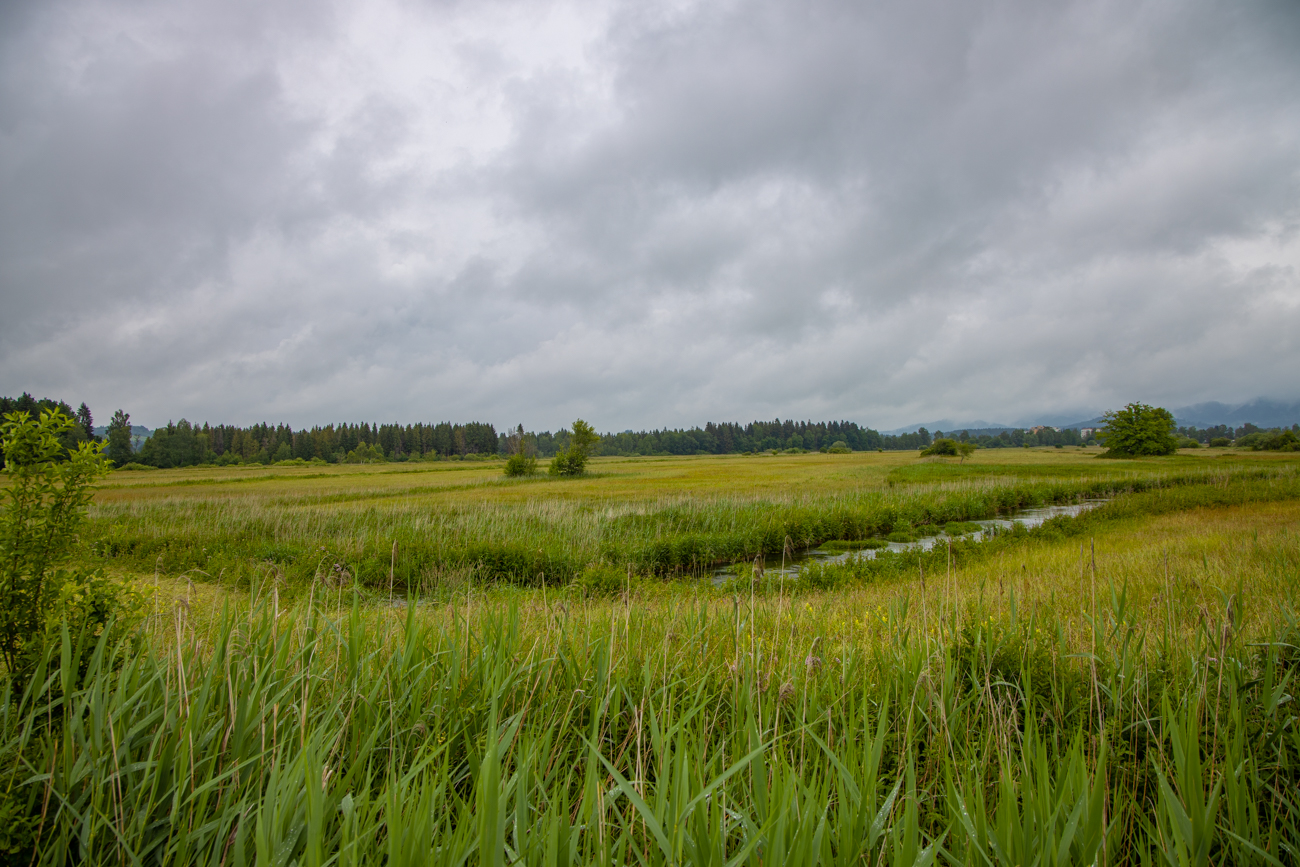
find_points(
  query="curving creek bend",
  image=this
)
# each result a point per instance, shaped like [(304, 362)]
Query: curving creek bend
[(1029, 518)]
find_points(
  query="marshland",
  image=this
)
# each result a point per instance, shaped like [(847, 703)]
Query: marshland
[(433, 663)]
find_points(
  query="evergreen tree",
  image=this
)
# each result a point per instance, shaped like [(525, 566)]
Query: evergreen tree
[(86, 421), (119, 438)]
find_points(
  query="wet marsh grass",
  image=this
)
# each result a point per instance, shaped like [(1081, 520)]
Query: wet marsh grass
[(660, 516), (1025, 703)]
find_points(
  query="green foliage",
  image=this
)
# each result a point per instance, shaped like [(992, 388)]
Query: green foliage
[(572, 461), (518, 563), (78, 431), (1270, 440), (180, 444), (47, 496), (584, 437), (839, 447), (1220, 443), (1188, 443), (567, 464), (1138, 430), (523, 453)]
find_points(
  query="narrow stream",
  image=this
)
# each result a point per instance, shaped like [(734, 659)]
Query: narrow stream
[(1030, 518)]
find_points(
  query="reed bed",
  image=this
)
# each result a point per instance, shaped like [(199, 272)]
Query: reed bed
[(1122, 696)]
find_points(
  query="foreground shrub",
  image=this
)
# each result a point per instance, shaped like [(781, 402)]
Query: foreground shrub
[(45, 505)]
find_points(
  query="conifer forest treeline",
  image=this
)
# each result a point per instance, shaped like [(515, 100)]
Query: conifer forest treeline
[(184, 443)]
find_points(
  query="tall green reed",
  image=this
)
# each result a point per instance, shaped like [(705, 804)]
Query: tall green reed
[(348, 735)]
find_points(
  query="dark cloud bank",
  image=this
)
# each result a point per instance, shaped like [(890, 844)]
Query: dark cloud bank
[(648, 214)]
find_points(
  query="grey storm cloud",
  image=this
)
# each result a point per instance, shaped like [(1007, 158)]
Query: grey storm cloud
[(647, 214)]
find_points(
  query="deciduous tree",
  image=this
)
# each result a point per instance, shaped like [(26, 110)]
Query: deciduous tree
[(1138, 430), (573, 460)]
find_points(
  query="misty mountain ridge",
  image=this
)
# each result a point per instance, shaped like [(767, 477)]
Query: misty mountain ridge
[(1260, 411), (137, 430)]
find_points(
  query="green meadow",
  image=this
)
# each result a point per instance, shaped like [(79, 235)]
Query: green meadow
[(429, 663), (653, 517)]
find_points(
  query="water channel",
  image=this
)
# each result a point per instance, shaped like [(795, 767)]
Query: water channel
[(1029, 518)]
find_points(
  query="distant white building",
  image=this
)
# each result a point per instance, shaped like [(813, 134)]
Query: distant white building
[(1085, 432)]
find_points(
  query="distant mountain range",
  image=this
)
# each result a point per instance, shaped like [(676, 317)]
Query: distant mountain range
[(1261, 411)]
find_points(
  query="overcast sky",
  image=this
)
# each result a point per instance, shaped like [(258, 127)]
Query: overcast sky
[(648, 214)]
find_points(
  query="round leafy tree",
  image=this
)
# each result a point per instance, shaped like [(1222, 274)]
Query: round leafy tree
[(1138, 429), (941, 446)]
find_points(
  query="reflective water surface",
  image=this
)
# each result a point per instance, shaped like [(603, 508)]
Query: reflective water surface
[(1030, 518)]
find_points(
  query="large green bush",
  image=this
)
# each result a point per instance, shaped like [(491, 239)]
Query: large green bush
[(521, 464)]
